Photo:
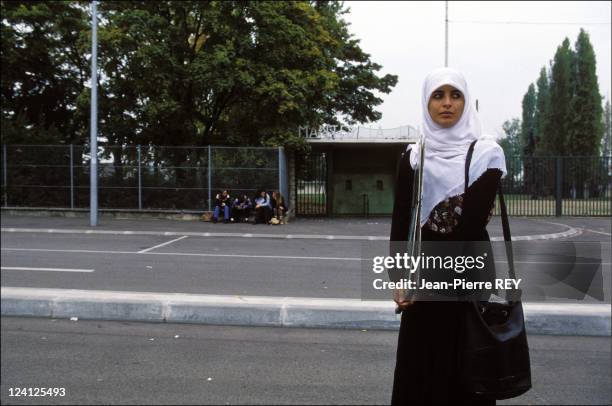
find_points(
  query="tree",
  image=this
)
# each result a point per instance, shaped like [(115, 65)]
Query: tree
[(585, 127), (232, 72), (184, 73), (606, 145), (44, 71), (529, 112), (555, 139), (606, 142), (541, 111), (511, 144)]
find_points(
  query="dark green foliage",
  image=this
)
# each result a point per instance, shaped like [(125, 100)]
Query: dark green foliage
[(44, 72), (555, 140), (567, 115), (529, 111), (585, 127), (184, 72)]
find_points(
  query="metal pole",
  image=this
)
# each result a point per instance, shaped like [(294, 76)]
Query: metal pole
[(558, 191), (280, 170), (139, 182), (4, 177), (446, 35), (71, 176), (93, 183), (209, 179)]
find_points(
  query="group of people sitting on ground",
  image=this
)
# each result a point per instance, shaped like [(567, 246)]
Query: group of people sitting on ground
[(263, 208)]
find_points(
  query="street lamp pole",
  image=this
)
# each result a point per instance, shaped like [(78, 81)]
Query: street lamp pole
[(446, 36), (93, 143)]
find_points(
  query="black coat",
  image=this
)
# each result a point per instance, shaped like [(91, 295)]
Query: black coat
[(429, 339)]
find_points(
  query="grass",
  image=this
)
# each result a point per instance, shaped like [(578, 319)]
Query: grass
[(522, 205)]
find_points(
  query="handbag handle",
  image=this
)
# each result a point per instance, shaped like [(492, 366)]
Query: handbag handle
[(505, 223)]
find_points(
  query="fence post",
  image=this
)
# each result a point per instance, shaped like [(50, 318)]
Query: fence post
[(558, 188), (209, 179), (5, 167), (282, 173), (71, 176), (139, 180)]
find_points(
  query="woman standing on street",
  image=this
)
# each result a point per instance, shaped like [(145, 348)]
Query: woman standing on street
[(429, 342)]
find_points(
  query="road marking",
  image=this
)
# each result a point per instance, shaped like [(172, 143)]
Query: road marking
[(177, 254), (595, 231), (161, 245), (190, 254), (23, 268), (570, 232)]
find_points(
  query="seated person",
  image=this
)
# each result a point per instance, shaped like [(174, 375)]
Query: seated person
[(222, 202), (263, 208), (279, 207), (241, 209)]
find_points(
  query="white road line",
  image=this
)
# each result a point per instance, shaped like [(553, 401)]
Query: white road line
[(23, 268), (570, 232), (190, 254), (163, 244), (177, 254), (595, 231)]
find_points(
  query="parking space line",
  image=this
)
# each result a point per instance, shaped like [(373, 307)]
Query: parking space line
[(163, 244), (23, 268)]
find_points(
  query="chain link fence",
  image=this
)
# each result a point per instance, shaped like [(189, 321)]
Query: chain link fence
[(188, 178), (136, 177)]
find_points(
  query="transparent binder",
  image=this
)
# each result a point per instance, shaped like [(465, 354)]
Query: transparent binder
[(414, 234)]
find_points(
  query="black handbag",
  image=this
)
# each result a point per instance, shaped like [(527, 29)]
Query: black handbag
[(494, 361)]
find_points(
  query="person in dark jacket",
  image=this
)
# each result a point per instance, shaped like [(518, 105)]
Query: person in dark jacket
[(222, 203), (427, 367), (241, 209)]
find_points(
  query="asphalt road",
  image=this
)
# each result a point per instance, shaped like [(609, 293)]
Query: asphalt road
[(144, 363), (230, 265)]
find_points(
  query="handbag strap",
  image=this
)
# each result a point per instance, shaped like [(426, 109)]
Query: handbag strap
[(504, 218)]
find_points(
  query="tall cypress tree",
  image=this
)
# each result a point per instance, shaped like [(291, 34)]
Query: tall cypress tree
[(528, 122), (585, 129), (606, 142), (541, 110), (559, 117), (606, 148)]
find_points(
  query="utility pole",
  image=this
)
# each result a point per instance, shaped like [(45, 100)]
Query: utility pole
[(446, 36), (93, 142)]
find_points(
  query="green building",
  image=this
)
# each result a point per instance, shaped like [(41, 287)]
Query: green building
[(348, 173)]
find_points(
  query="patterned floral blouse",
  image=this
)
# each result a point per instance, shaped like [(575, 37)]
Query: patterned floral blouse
[(445, 216)]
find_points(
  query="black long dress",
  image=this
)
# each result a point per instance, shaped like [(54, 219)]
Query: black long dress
[(426, 370)]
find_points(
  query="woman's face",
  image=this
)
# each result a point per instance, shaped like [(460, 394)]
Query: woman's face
[(446, 105)]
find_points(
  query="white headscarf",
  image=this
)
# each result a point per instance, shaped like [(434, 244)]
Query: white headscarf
[(446, 148)]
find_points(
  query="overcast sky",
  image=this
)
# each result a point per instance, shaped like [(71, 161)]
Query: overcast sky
[(499, 60)]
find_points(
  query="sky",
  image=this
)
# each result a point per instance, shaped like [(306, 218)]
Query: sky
[(499, 59)]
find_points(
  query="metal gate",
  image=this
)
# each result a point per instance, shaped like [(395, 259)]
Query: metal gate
[(311, 184)]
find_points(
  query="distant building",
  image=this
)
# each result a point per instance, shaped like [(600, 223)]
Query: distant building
[(351, 171)]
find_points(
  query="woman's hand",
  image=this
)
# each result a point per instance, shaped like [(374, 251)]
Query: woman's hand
[(400, 299)]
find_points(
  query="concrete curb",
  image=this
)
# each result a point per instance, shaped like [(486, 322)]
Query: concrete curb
[(540, 318)]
